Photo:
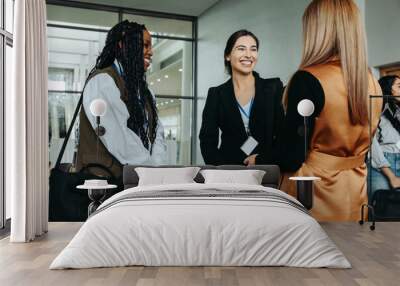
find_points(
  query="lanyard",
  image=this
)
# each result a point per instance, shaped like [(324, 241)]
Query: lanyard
[(117, 69), (244, 111)]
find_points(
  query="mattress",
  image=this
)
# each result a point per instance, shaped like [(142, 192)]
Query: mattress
[(201, 225)]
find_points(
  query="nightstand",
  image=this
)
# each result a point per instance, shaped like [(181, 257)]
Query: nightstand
[(96, 195), (305, 190)]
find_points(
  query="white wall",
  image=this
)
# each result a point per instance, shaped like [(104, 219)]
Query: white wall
[(383, 24), (277, 24), (361, 6)]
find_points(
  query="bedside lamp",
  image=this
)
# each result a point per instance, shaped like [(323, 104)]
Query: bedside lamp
[(305, 108), (98, 108), (305, 184)]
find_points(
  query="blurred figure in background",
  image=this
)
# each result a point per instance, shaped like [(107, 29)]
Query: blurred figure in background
[(385, 150)]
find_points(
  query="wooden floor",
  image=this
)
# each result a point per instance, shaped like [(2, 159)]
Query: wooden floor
[(375, 257)]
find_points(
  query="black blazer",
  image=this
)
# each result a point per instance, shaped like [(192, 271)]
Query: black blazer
[(222, 113)]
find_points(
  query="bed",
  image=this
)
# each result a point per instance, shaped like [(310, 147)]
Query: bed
[(197, 224)]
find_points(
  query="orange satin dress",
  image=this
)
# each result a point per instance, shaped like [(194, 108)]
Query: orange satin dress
[(337, 150)]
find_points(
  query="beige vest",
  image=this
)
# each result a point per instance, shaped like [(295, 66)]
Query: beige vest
[(338, 150)]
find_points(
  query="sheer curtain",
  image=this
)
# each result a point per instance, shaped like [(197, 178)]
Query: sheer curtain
[(27, 127)]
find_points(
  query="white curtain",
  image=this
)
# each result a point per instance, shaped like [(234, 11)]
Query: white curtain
[(27, 128)]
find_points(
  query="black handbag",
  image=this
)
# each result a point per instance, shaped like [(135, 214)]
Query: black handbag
[(386, 204), (66, 202)]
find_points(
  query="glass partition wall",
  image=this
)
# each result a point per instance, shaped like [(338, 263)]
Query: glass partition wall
[(76, 36)]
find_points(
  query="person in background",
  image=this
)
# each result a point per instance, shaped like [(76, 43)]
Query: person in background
[(133, 132), (334, 75), (385, 150), (246, 109)]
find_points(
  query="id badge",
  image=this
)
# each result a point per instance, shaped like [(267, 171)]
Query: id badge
[(249, 145)]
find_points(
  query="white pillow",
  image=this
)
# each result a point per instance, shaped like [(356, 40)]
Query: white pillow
[(166, 176), (248, 177)]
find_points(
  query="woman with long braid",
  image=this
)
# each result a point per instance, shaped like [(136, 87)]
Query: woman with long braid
[(133, 133)]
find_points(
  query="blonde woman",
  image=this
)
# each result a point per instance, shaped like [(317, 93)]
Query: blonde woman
[(334, 75)]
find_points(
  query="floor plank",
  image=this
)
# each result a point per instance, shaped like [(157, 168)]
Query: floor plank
[(374, 255)]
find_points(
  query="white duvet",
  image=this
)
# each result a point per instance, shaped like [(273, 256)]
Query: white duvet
[(200, 231)]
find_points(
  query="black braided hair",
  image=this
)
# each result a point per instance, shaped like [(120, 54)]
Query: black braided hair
[(125, 43), (390, 104)]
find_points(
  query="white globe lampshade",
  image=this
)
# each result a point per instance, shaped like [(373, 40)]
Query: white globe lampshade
[(305, 107), (98, 107)]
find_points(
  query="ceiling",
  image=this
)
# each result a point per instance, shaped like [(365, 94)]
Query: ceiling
[(186, 7)]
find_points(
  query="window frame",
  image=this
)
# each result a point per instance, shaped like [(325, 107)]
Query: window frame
[(6, 39)]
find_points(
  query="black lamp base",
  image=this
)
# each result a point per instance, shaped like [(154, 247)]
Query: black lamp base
[(100, 131), (305, 193)]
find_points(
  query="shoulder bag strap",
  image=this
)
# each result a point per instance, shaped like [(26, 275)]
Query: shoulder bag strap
[(60, 155)]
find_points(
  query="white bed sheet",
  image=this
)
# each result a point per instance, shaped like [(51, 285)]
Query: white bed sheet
[(200, 232)]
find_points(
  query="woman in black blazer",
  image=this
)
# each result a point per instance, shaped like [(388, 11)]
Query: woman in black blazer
[(246, 106)]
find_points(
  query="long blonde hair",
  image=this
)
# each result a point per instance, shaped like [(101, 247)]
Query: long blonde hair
[(332, 29)]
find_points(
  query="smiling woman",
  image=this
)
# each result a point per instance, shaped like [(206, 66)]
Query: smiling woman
[(241, 52), (133, 133), (236, 106)]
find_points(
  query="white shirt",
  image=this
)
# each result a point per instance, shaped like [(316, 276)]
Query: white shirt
[(246, 108), (245, 113), (124, 144), (390, 138)]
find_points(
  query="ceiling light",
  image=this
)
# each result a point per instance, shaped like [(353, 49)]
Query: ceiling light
[(180, 70), (151, 83), (159, 79), (171, 100), (166, 76)]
